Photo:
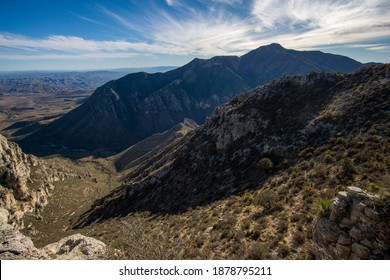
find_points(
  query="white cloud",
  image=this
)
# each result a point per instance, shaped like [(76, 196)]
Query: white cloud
[(314, 23), (169, 2), (72, 44), (82, 56), (295, 24)]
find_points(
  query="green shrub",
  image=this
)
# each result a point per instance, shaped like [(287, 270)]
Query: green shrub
[(360, 144), (258, 251), (329, 158), (321, 171), (348, 167), (265, 164), (282, 226), (298, 238), (248, 197), (283, 251), (310, 217), (267, 199), (307, 188), (374, 187), (324, 207)]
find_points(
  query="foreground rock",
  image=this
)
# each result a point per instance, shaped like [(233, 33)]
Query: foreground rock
[(357, 228), (76, 247), (18, 195), (14, 245), (15, 176)]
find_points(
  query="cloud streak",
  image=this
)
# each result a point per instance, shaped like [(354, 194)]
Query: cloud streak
[(182, 29)]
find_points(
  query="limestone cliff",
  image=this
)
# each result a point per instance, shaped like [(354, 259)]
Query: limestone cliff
[(15, 246), (21, 192), (15, 175)]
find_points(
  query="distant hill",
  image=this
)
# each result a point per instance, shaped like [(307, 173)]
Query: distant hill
[(140, 152), (60, 82), (125, 111)]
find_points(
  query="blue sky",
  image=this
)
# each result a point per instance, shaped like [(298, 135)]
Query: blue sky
[(76, 35)]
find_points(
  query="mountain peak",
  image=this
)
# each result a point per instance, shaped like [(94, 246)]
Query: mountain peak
[(153, 103), (274, 46)]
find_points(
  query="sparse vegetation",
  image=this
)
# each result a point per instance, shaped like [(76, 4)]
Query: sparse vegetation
[(266, 198), (265, 164), (324, 207), (347, 167), (212, 204)]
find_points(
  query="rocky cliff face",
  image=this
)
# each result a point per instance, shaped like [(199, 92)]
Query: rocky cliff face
[(15, 171), (16, 246), (22, 191), (139, 105), (357, 228), (280, 121)]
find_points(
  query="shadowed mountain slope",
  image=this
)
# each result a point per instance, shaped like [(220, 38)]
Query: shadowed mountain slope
[(125, 111), (145, 149), (294, 120)]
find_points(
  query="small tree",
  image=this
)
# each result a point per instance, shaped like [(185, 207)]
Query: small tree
[(266, 198), (265, 164), (348, 167)]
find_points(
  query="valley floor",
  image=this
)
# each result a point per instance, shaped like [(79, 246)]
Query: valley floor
[(78, 185)]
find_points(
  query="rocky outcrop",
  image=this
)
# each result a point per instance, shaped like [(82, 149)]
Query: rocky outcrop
[(128, 110), (17, 198), (357, 228), (26, 181), (15, 176), (76, 247), (15, 245), (14, 168)]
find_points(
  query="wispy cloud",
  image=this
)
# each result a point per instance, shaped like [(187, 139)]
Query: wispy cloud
[(73, 45), (371, 47), (224, 27), (294, 23), (169, 2), (68, 56)]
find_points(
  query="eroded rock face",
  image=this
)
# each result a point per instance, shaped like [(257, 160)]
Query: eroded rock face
[(15, 176), (14, 168), (16, 246), (13, 244), (357, 228), (16, 198)]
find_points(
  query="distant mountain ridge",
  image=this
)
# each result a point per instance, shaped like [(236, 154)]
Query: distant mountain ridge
[(125, 111), (60, 81)]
